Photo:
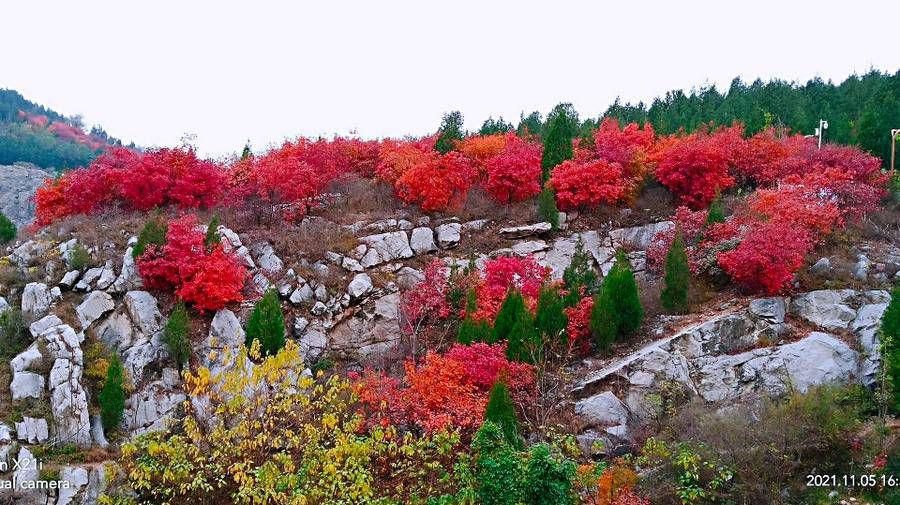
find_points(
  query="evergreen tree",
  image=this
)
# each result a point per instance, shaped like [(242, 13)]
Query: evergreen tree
[(501, 411), (175, 335), (112, 396), (498, 468), (153, 232), (471, 330), (492, 127), (7, 229), (450, 132), (550, 319), (548, 478), (674, 296), (246, 153), (512, 306), (579, 275), (562, 124), (716, 212), (547, 209), (523, 343), (529, 125), (266, 324), (212, 232), (890, 343), (617, 308)]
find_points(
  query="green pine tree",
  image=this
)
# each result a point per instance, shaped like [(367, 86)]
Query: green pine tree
[(617, 308), (153, 232), (266, 324), (716, 212), (890, 345), (550, 318), (246, 153), (579, 275), (562, 123), (512, 306), (450, 132), (175, 335), (498, 467), (212, 232), (674, 296), (112, 396), (603, 324), (548, 477), (547, 209), (470, 329), (501, 411), (7, 229), (523, 343)]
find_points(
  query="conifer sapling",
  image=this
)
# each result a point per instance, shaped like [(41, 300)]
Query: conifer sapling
[(112, 395), (674, 296), (266, 324)]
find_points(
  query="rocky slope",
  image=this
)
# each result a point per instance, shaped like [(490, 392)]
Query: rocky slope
[(17, 186), (742, 348)]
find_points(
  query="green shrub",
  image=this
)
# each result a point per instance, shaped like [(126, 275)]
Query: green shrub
[(562, 123), (548, 479), (890, 349), (674, 296), (449, 133), (153, 232), (7, 229), (523, 342), (112, 395), (550, 319), (175, 335), (80, 258), (617, 308), (579, 275), (501, 411), (471, 330), (266, 324), (716, 212), (212, 232), (13, 337), (512, 306), (498, 467), (547, 209)]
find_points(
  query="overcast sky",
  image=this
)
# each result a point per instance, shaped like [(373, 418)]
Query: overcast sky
[(232, 71)]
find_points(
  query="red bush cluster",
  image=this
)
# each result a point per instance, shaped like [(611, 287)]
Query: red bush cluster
[(578, 327), (208, 280), (63, 130), (427, 301), (445, 390), (437, 182), (501, 274), (514, 173)]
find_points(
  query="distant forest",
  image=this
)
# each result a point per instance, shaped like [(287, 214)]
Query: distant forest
[(35, 134), (860, 111)]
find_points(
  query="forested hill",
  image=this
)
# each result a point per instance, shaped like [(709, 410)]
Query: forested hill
[(33, 133), (860, 111)]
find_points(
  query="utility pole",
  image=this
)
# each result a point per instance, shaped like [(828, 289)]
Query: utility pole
[(820, 131), (894, 133)]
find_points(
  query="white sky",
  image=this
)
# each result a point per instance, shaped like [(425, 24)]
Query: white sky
[(262, 70)]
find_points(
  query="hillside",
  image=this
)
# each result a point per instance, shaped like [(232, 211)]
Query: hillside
[(607, 314), (31, 133)]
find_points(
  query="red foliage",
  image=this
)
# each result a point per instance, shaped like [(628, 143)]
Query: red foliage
[(427, 301), (578, 328), (768, 256), (182, 265), (630, 147), (51, 202), (589, 184), (503, 273), (768, 156), (437, 182), (443, 391), (483, 147), (695, 167), (796, 204), (396, 157), (514, 173), (844, 188), (690, 224)]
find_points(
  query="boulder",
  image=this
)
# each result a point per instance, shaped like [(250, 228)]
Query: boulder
[(97, 433), (76, 479), (115, 331), (408, 277), (151, 408), (313, 343), (360, 286), (27, 472), (36, 300), (385, 247), (144, 311), (128, 279), (527, 230), (266, 257), (476, 225), (448, 235), (26, 385), (89, 278), (602, 410), (4, 306), (29, 253), (18, 182), (94, 306), (303, 294), (43, 324), (421, 240), (223, 342), (69, 279), (528, 247), (27, 359), (371, 334), (861, 267), (107, 276), (821, 267), (639, 237), (829, 309), (32, 430), (771, 309)]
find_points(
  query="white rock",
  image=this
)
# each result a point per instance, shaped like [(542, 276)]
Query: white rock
[(603, 409), (28, 471), (266, 257), (26, 385), (36, 300), (385, 247), (43, 324), (828, 309), (4, 306), (527, 230), (29, 252), (224, 341), (26, 359), (76, 479), (89, 278), (528, 247), (97, 434), (129, 279), (303, 294), (115, 331), (319, 308), (144, 311), (107, 276), (321, 293), (639, 237), (360, 286), (312, 344), (32, 430), (422, 240), (448, 235), (69, 280), (95, 305)]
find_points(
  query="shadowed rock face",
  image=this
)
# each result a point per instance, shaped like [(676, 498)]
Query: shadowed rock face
[(17, 186)]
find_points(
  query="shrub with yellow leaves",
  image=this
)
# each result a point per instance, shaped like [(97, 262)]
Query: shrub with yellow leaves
[(266, 433)]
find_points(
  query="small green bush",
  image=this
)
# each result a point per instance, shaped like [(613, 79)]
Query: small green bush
[(112, 395), (471, 330), (579, 275), (512, 306), (80, 258), (547, 209), (175, 335), (7, 229), (890, 349), (617, 308), (153, 232), (449, 133), (266, 324), (212, 232), (674, 296), (550, 318), (501, 411), (548, 478), (498, 467), (716, 212)]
